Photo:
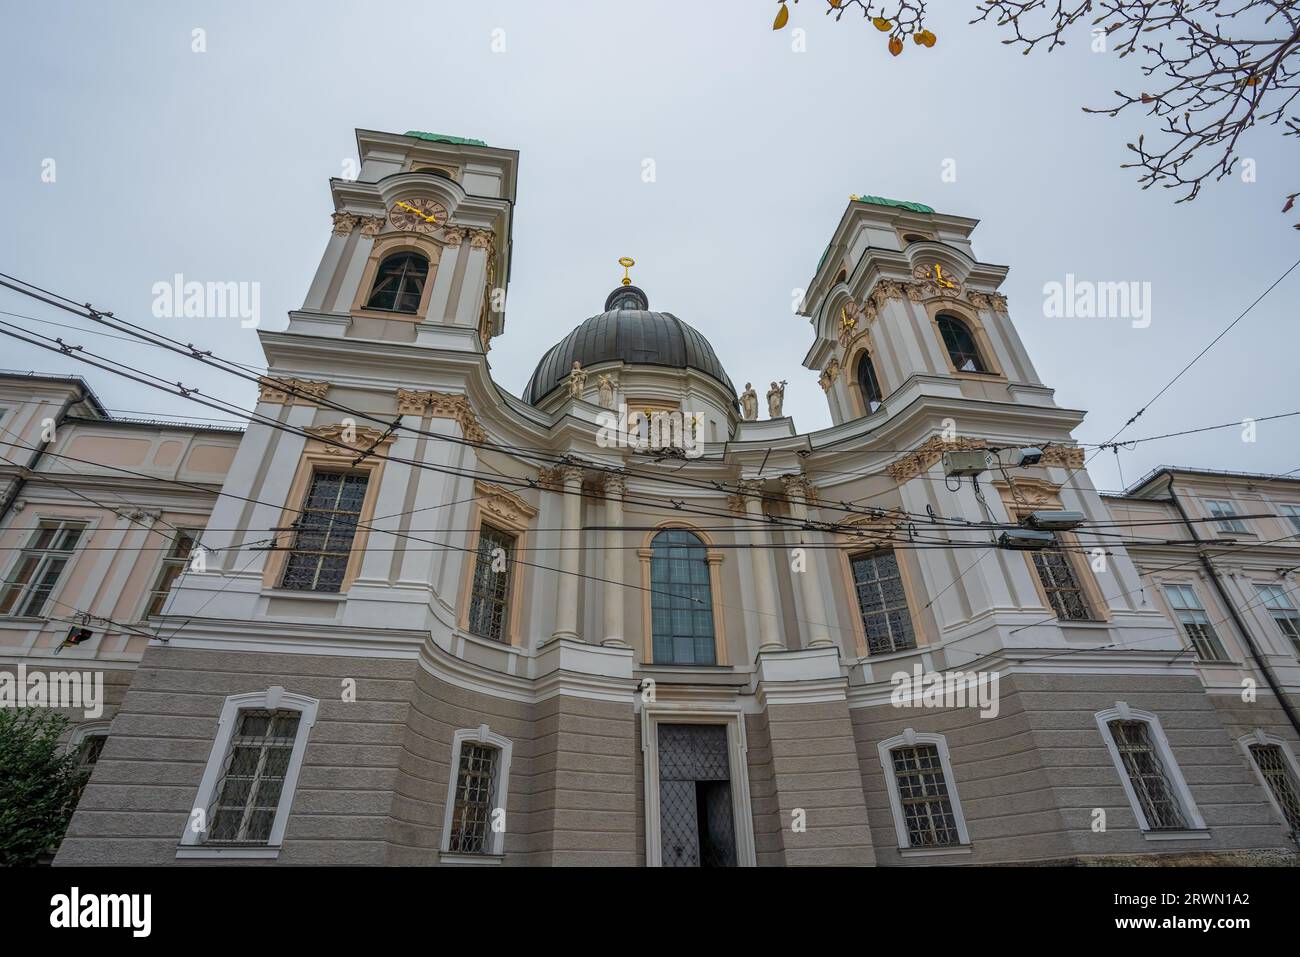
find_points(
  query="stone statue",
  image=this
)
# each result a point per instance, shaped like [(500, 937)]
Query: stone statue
[(577, 380), (749, 403), (775, 397), (606, 386)]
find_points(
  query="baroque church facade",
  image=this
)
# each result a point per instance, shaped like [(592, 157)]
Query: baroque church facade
[(405, 617)]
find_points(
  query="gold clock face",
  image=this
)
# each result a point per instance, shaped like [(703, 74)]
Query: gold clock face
[(933, 272), (418, 215)]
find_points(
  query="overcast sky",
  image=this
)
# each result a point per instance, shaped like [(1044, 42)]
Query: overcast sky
[(215, 165)]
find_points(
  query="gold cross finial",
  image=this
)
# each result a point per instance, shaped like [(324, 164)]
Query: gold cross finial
[(627, 262)]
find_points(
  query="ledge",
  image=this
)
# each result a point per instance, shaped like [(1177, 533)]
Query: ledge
[(1187, 835), (946, 851), (212, 853), (471, 860)]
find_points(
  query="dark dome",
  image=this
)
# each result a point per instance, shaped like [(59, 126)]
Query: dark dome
[(628, 331)]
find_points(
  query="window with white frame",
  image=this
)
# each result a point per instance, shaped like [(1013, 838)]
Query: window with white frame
[(248, 785), (1292, 514), (1226, 514), (474, 822), (1154, 785), (1274, 764), (39, 567), (1196, 623), (1060, 580), (174, 563), (922, 792), (1284, 613)]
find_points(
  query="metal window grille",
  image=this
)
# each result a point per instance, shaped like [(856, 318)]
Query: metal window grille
[(961, 346), (248, 794), (178, 556), (399, 283), (882, 602), (1281, 782), (1228, 522), (39, 567), (1283, 612), (1195, 622), (490, 593), (1147, 774), (322, 543), (91, 748), (923, 795), (681, 599), (1057, 575), (476, 786), (696, 826)]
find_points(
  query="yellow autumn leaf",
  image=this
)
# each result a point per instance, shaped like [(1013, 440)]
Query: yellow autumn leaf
[(895, 46), (1252, 80), (836, 3), (882, 24), (782, 17), (928, 38)]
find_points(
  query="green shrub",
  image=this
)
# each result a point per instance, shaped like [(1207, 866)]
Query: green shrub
[(40, 782)]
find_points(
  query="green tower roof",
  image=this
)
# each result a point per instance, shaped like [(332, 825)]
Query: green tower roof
[(881, 201), (443, 138)]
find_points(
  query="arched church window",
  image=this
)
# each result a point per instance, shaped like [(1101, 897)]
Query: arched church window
[(681, 601), (960, 343), (399, 283), (868, 383)]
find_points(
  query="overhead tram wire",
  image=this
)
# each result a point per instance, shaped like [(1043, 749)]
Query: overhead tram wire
[(209, 358), (1165, 388)]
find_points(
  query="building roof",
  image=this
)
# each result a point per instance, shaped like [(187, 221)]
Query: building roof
[(1142, 484), (444, 138), (627, 331)]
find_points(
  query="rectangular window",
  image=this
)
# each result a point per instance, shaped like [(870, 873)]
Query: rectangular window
[(1146, 773), (178, 556), (248, 793), (882, 602), (1195, 622), (1226, 514), (39, 567), (326, 528), (1061, 583), (1292, 514), (1283, 612), (1276, 771), (923, 793), (471, 817), (490, 593)]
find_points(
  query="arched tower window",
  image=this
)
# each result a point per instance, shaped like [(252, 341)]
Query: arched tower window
[(868, 383), (960, 343), (681, 601), (399, 283)]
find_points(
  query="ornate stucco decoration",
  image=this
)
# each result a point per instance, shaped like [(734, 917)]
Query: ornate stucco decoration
[(281, 390), (371, 225), (481, 238), (340, 439), (1032, 493), (873, 531), (442, 405), (1063, 456), (503, 504), (800, 485), (929, 452), (344, 223), (453, 235), (993, 301), (829, 374)]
